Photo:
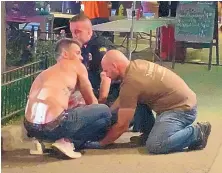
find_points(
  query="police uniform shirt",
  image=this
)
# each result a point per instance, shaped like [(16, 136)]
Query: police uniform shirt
[(94, 51)]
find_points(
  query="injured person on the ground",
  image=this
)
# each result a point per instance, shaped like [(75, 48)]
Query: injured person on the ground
[(52, 114)]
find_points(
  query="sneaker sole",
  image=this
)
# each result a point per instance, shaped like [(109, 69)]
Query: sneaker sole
[(138, 140), (74, 155), (40, 148), (207, 134)]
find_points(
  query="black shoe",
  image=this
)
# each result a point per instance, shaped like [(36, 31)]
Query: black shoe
[(205, 129), (139, 140)]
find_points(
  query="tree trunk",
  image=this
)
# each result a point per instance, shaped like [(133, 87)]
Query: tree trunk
[(3, 37)]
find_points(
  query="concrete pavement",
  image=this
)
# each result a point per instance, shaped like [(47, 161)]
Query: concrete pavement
[(124, 159), (216, 166)]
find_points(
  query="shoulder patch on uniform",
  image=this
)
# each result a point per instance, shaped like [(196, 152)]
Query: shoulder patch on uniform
[(102, 49)]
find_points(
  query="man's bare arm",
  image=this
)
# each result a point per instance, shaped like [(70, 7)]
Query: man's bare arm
[(104, 87), (126, 105), (85, 86), (124, 117)]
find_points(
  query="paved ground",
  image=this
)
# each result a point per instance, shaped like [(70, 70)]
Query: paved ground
[(124, 160), (127, 159)]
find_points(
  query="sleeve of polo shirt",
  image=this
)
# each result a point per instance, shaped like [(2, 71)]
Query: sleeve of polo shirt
[(129, 94)]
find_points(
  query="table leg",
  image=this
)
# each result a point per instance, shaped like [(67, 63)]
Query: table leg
[(127, 44), (150, 38), (157, 48), (168, 45), (210, 56), (217, 51), (156, 52)]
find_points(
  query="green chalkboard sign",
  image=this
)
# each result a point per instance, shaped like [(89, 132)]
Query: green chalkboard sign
[(195, 21)]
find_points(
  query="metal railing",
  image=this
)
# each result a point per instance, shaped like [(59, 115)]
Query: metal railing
[(16, 85)]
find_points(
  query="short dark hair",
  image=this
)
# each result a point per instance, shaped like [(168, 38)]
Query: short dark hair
[(79, 17), (64, 43)]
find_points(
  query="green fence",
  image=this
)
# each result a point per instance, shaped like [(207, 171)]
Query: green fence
[(16, 85)]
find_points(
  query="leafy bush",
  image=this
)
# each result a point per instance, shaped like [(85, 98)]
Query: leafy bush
[(45, 48), (17, 41), (18, 53)]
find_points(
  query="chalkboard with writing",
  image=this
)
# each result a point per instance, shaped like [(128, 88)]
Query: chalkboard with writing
[(195, 21)]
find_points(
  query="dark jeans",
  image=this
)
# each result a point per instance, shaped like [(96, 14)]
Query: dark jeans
[(172, 132), (82, 124), (143, 120)]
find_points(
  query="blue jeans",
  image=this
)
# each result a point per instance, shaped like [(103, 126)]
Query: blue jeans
[(172, 132), (82, 124)]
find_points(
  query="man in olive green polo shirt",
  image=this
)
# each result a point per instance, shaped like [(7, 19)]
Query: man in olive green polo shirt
[(166, 94)]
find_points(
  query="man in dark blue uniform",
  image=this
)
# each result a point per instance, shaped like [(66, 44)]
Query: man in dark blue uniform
[(93, 53), (93, 50)]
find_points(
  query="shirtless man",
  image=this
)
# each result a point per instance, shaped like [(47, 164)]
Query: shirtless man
[(47, 116), (165, 93)]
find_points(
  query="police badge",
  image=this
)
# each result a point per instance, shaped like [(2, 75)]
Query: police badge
[(90, 57)]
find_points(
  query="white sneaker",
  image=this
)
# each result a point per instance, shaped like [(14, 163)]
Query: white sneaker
[(66, 148), (38, 148)]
